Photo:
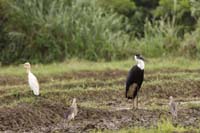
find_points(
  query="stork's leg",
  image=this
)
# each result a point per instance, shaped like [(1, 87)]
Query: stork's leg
[(137, 102), (133, 104)]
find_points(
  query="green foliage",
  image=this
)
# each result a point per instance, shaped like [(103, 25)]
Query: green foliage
[(3, 19), (46, 31), (160, 38), (190, 45), (97, 33), (35, 32), (165, 126), (180, 10), (172, 7), (195, 10), (121, 6)]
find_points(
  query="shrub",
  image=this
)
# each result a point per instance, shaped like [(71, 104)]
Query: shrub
[(160, 38), (46, 31), (3, 19), (190, 45)]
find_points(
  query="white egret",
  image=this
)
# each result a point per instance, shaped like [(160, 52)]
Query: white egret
[(32, 80)]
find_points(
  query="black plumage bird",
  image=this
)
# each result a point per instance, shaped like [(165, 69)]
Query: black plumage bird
[(135, 79)]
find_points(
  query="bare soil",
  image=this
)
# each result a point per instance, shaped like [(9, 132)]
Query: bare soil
[(101, 75), (109, 112), (50, 118)]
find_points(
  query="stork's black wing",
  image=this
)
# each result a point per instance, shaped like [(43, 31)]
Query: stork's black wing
[(134, 79)]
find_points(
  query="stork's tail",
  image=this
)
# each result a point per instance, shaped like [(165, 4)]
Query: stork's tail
[(126, 92), (135, 93), (131, 91)]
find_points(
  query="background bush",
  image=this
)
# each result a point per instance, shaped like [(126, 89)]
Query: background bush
[(46, 31)]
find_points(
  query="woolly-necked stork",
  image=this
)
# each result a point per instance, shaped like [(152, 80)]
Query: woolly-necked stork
[(135, 79), (32, 80)]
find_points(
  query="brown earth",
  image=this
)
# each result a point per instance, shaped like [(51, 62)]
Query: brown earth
[(49, 118), (47, 114), (101, 75)]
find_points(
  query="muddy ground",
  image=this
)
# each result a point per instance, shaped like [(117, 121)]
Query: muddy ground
[(101, 102)]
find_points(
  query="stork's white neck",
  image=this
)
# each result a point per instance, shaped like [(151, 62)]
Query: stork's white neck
[(140, 64)]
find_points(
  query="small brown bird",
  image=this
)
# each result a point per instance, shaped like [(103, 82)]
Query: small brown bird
[(72, 111), (173, 107)]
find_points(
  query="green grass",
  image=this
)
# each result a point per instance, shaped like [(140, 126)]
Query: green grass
[(82, 65), (99, 92), (58, 86), (165, 126)]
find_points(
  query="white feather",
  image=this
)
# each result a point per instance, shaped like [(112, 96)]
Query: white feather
[(140, 63), (33, 83)]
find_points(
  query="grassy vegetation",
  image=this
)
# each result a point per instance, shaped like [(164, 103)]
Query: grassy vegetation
[(165, 126), (59, 30), (72, 35), (45, 31), (82, 65), (99, 89)]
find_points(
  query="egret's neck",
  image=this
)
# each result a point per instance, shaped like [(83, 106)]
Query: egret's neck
[(140, 64), (28, 70)]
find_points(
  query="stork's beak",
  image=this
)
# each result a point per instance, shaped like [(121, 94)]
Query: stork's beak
[(145, 60)]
